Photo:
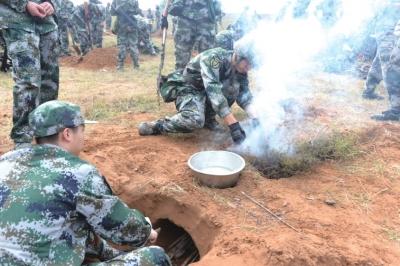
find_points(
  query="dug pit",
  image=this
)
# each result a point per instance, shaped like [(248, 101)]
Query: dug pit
[(186, 234)]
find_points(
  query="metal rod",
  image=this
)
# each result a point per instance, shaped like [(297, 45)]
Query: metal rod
[(269, 211)]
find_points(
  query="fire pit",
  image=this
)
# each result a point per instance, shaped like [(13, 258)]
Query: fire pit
[(218, 169)]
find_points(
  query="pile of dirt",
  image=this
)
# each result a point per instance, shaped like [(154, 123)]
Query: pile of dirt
[(151, 174)]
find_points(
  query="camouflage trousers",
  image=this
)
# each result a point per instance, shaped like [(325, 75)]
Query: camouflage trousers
[(147, 256), (127, 41), (84, 39), (187, 35), (97, 34), (36, 75), (386, 64), (63, 35), (194, 111)]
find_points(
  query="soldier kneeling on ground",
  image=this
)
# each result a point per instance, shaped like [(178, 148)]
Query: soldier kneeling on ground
[(56, 208), (210, 84)]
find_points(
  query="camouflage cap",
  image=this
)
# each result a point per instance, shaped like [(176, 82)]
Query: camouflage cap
[(51, 117)]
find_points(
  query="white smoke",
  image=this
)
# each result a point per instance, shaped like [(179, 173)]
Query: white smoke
[(290, 51)]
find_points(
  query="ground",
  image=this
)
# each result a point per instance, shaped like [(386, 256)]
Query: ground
[(151, 173)]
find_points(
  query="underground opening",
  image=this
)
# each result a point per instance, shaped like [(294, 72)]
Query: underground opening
[(180, 220), (177, 243)]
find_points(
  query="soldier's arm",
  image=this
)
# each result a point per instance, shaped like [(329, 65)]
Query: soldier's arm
[(210, 67), (108, 216), (17, 5), (245, 96)]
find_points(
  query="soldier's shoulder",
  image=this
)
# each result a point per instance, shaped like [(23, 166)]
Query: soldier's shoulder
[(215, 57)]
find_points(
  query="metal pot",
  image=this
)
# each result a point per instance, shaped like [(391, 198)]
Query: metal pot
[(217, 169)]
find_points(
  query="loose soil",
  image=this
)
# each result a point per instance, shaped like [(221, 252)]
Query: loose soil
[(150, 173)]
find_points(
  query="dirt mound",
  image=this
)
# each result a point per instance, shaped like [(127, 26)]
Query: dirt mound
[(150, 173), (99, 58)]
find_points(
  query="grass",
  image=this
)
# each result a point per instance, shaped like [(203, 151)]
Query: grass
[(392, 234), (336, 146)]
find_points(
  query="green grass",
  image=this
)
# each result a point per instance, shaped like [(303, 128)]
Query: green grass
[(336, 146)]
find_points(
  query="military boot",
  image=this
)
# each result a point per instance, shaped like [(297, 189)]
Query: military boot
[(213, 125), (389, 115), (150, 128), (120, 67), (372, 96)]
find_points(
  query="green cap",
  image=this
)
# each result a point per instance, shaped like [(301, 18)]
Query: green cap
[(51, 117)]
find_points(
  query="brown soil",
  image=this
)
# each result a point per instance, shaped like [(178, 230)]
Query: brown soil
[(150, 173), (97, 59)]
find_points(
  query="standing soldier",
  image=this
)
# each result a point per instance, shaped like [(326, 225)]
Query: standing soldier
[(386, 65), (31, 36), (195, 24), (82, 25), (157, 14), (64, 16), (97, 18), (108, 17), (127, 30)]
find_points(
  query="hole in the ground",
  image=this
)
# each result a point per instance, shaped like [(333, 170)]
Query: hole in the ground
[(178, 244), (181, 214)]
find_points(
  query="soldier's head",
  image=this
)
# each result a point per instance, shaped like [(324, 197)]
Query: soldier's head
[(59, 123), (243, 59)]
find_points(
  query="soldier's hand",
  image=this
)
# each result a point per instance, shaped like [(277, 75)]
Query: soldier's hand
[(153, 236), (164, 22), (48, 8), (237, 133), (35, 10)]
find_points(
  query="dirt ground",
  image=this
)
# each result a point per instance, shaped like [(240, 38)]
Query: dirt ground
[(151, 174)]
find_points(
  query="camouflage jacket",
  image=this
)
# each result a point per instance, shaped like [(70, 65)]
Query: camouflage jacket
[(95, 15), (196, 10), (143, 24), (13, 15), (125, 10), (66, 10), (49, 202), (213, 72)]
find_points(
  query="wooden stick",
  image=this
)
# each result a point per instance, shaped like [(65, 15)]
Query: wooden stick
[(270, 212)]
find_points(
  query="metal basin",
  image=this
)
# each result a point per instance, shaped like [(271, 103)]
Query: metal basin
[(218, 169)]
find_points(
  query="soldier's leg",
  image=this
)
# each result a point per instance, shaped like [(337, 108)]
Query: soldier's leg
[(23, 49), (184, 41), (374, 77), (393, 79), (84, 40), (206, 36), (148, 256), (63, 34), (49, 67), (190, 116), (133, 48), (122, 46)]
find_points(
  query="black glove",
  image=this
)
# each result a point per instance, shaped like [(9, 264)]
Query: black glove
[(164, 22), (237, 133)]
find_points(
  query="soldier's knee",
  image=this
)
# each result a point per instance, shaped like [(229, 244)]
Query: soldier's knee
[(159, 257), (193, 120)]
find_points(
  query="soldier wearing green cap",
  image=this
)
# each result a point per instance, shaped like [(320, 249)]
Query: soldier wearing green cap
[(55, 208), (210, 84)]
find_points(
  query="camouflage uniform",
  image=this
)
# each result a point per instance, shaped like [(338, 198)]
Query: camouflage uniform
[(108, 17), (127, 30), (208, 86), (226, 39), (82, 27), (65, 24), (97, 18), (195, 24), (33, 48), (146, 46), (55, 207), (157, 14), (386, 64)]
